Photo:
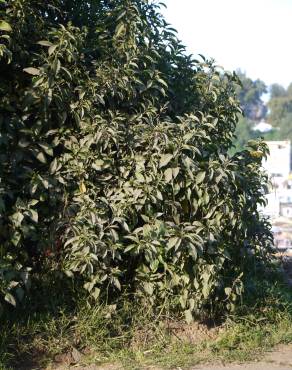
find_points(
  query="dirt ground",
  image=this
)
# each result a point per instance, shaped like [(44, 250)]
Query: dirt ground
[(279, 359)]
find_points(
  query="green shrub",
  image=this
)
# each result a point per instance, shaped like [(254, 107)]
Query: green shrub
[(115, 169)]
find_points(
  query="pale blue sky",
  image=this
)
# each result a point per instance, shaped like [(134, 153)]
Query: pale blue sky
[(254, 35)]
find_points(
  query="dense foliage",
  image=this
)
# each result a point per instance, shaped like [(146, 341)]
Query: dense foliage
[(115, 170), (244, 133)]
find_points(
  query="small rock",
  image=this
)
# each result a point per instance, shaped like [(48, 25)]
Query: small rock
[(64, 358), (76, 356)]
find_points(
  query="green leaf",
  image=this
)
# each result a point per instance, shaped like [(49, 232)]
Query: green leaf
[(47, 149), (168, 175), (175, 172), (125, 226), (45, 183), (100, 99), (130, 247), (41, 157), (119, 29), (53, 166), (145, 218), (23, 143), (162, 82), (10, 299), (68, 74), (206, 289), (32, 71), (117, 283), (173, 241), (95, 293), (165, 159), (148, 287), (154, 265), (140, 177), (183, 301), (52, 49), (121, 15), (89, 286), (44, 43), (33, 215), (15, 239), (17, 218), (4, 26), (228, 291), (56, 66), (191, 304), (159, 195), (69, 273), (200, 177), (98, 164), (193, 251), (188, 316)]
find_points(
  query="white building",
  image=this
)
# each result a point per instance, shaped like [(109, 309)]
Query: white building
[(279, 201), (277, 165), (272, 208), (263, 127), (278, 162)]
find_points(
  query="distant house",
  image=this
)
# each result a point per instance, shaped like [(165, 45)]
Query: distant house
[(282, 236), (283, 240), (279, 203), (278, 167), (272, 208), (278, 162), (263, 127), (279, 200), (286, 209)]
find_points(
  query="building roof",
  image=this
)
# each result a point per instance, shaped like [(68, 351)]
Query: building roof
[(263, 127), (278, 142)]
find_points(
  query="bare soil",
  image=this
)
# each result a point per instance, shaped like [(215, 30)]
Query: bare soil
[(279, 358)]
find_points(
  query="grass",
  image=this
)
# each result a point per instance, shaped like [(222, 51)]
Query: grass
[(135, 339)]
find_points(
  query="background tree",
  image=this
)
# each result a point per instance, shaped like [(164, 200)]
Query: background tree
[(250, 96), (249, 93), (280, 109), (277, 91), (244, 132)]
